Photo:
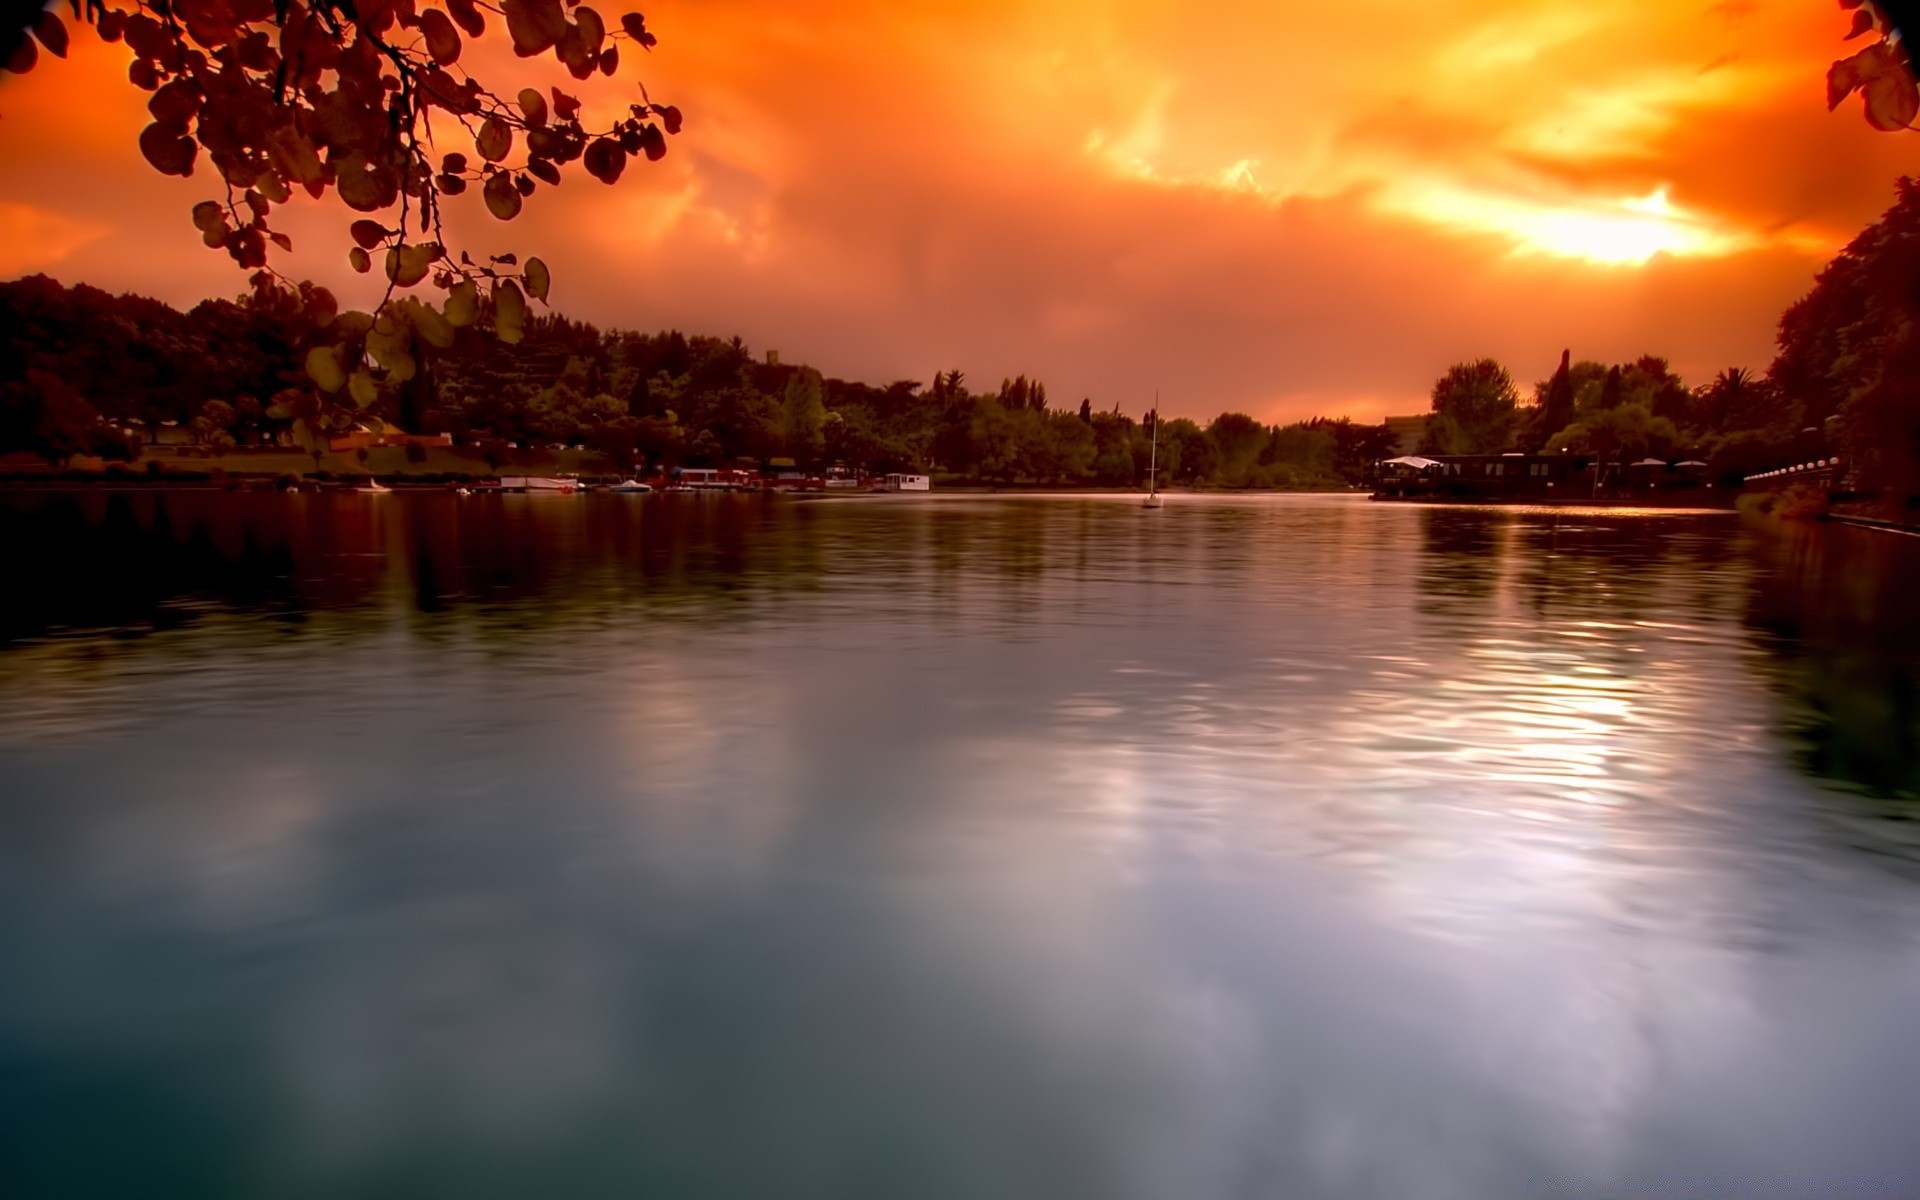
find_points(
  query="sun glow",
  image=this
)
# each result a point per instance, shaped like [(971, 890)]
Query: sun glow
[(1628, 230)]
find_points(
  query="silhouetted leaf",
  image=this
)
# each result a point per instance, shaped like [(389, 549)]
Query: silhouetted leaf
[(533, 106), (495, 141), (433, 328), (535, 26), (463, 303), (466, 14), (52, 32), (359, 260), (537, 278), (168, 149), (635, 26), (408, 265), (323, 367), (605, 160), (368, 234), (1892, 99), (443, 40), (24, 55), (509, 311), (503, 199)]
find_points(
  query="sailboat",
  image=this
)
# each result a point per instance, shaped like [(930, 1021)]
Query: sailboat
[(1153, 461)]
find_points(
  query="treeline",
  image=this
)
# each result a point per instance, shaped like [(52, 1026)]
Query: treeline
[(1845, 380), (85, 372)]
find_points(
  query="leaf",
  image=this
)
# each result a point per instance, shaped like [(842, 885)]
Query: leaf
[(509, 311), (409, 264), (605, 160), (361, 387), (354, 323), (592, 29), (463, 303), (538, 279), (389, 338), (322, 308), (653, 142), (1862, 23), (610, 60), (52, 32), (669, 116), (503, 199), (454, 164), (363, 188), (167, 148), (208, 215), (544, 170), (495, 141), (360, 260), (323, 367), (443, 40), (175, 103), (24, 55), (433, 328), (281, 240), (466, 14), (535, 26), (1892, 99), (635, 26), (534, 106), (564, 106), (573, 51), (367, 234), (294, 155)]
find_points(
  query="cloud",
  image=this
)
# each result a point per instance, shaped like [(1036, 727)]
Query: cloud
[(1281, 209), (34, 239)]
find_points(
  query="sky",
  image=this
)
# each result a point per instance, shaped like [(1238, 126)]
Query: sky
[(1285, 209)]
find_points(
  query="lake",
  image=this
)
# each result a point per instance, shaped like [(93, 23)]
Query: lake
[(951, 846)]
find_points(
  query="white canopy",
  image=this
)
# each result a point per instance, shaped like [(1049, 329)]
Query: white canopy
[(1651, 462), (1410, 460), (1693, 462)]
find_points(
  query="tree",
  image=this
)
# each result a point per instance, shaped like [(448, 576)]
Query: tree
[(1475, 409), (1556, 402), (1734, 400), (803, 415), (1849, 354), (1238, 441)]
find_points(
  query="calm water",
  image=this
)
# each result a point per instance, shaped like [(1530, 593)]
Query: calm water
[(950, 847)]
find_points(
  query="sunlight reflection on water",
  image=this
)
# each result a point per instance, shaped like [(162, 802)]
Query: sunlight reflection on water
[(971, 846)]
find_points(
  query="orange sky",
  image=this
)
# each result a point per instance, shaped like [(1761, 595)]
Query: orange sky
[(1283, 208)]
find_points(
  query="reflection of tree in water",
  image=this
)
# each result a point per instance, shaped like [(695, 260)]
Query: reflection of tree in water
[(139, 561), (1836, 612), (133, 563), (1561, 566)]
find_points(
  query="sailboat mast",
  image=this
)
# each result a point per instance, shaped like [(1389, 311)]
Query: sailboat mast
[(1153, 454)]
